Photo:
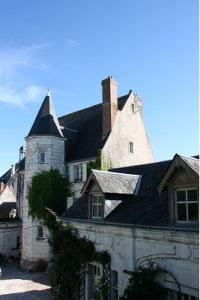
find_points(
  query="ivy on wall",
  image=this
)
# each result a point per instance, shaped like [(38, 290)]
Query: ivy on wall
[(99, 164), (47, 189), (70, 252), (144, 283)]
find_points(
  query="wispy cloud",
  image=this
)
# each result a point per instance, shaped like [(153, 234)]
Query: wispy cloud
[(71, 42), (13, 63), (29, 94)]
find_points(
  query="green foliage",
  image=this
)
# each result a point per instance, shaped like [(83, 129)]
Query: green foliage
[(71, 254), (47, 189), (99, 164), (101, 289), (144, 284)]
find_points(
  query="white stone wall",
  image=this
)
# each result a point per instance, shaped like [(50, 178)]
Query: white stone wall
[(130, 246), (33, 248), (128, 127), (9, 231)]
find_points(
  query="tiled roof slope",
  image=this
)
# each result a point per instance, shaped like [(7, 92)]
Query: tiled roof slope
[(192, 162), (116, 183), (83, 130), (147, 208), (5, 209), (46, 122)]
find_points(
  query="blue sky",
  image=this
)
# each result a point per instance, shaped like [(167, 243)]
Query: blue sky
[(69, 46)]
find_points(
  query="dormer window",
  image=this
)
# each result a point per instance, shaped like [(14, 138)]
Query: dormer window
[(186, 205), (41, 157), (96, 207)]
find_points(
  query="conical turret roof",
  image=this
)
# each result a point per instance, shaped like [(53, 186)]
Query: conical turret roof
[(46, 122)]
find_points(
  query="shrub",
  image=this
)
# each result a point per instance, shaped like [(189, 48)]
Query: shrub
[(40, 266)]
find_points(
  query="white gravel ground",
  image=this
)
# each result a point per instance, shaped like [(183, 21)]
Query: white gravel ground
[(18, 285)]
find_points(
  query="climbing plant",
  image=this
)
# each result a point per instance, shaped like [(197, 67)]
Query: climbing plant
[(71, 255), (144, 283), (99, 164), (47, 189)]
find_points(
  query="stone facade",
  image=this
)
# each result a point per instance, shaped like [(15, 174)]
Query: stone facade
[(131, 246), (128, 128), (10, 238), (35, 248)]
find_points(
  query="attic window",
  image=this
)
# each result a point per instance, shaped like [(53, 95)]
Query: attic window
[(131, 147), (41, 157), (187, 205), (133, 107), (96, 207)]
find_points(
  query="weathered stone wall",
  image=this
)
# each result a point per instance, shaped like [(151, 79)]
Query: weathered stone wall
[(128, 127), (131, 246), (33, 248), (9, 231)]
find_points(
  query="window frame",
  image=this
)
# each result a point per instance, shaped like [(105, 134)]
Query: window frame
[(114, 285), (131, 147), (186, 202), (78, 170), (39, 235), (99, 206), (40, 161)]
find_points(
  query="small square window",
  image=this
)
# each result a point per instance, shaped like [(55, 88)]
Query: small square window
[(41, 157), (187, 205), (131, 150)]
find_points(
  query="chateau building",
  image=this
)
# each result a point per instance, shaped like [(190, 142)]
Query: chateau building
[(115, 127), (137, 209)]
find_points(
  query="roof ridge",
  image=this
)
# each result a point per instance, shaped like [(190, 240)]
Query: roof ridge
[(146, 164), (115, 173), (89, 107)]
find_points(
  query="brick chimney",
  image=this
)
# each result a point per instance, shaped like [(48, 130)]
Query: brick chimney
[(109, 98)]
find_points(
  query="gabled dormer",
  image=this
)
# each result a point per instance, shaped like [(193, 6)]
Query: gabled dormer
[(181, 180), (104, 191)]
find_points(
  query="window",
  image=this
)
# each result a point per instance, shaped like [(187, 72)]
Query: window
[(97, 207), (18, 242), (41, 157), (78, 173), (114, 285), (40, 232), (133, 107), (131, 147), (187, 205)]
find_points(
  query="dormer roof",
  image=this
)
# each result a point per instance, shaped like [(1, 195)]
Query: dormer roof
[(46, 122)]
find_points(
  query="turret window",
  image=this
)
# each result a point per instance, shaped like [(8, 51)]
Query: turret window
[(41, 157)]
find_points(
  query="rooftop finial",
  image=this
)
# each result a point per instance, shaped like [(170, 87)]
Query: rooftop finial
[(49, 92)]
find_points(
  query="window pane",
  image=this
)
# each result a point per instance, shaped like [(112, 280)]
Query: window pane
[(114, 277), (94, 211), (114, 295), (192, 195), (193, 211), (181, 196), (181, 212)]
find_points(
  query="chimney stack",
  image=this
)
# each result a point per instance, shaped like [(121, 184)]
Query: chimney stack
[(110, 105)]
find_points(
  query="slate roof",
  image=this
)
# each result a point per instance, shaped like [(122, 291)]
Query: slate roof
[(147, 207), (116, 183), (83, 130), (5, 209), (192, 162), (46, 122), (7, 175)]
